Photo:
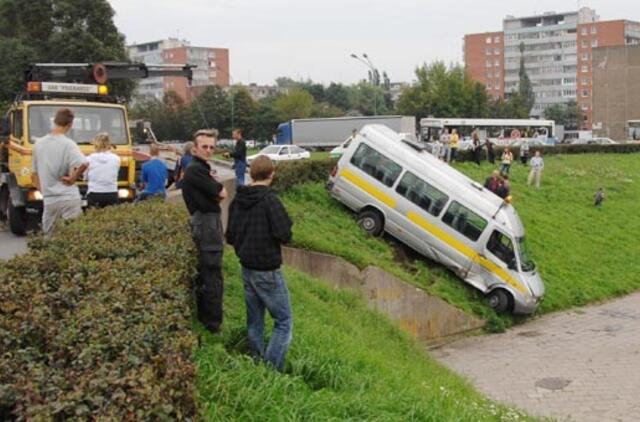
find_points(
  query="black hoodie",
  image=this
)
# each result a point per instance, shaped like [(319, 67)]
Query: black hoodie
[(258, 225)]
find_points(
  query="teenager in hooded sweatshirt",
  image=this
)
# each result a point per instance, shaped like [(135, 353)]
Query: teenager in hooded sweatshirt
[(258, 226)]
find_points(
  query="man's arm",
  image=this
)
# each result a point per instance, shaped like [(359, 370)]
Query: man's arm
[(202, 180), (279, 221), (36, 181), (75, 174)]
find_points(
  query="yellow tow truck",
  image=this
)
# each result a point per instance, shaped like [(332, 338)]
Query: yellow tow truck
[(82, 88)]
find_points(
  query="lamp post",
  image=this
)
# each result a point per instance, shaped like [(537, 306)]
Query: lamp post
[(367, 62)]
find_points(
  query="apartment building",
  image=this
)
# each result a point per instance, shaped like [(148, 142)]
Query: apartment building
[(557, 53), (212, 67)]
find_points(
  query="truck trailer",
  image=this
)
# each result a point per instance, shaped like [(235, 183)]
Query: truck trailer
[(331, 132)]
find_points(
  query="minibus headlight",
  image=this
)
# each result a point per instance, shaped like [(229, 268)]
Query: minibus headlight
[(124, 193), (508, 199)]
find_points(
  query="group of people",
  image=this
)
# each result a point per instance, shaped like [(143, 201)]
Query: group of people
[(258, 222), (257, 227), (498, 182)]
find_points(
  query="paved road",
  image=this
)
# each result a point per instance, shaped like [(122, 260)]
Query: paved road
[(579, 366), (10, 245)]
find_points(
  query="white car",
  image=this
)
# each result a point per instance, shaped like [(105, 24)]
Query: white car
[(281, 153), (594, 141)]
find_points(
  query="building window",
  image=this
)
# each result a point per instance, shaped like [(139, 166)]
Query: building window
[(488, 40), (422, 194), (583, 31), (584, 68), (594, 43), (497, 62), (489, 63), (497, 74), (496, 51), (585, 93), (487, 51), (585, 43), (465, 221), (585, 107), (594, 30), (585, 81), (376, 165), (585, 56), (496, 40)]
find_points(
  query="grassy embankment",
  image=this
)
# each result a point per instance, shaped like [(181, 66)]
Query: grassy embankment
[(584, 254), (346, 362)]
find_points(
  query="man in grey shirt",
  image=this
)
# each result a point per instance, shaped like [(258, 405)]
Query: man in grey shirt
[(57, 164)]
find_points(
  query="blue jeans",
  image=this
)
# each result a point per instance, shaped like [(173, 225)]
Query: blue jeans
[(267, 290), (240, 167)]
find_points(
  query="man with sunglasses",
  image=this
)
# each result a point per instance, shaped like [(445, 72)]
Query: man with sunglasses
[(202, 194)]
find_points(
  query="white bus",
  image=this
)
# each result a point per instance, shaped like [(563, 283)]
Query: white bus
[(499, 131)]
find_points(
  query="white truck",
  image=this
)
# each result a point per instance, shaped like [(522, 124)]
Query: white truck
[(333, 131)]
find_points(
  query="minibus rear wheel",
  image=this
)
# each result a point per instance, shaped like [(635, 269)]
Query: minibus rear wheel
[(500, 300), (371, 222)]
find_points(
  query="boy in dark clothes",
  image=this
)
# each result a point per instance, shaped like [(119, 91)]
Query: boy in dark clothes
[(258, 225)]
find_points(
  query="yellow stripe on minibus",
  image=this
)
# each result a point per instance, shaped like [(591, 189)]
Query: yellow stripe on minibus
[(369, 188), (464, 249)]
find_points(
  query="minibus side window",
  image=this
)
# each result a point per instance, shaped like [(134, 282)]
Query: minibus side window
[(465, 221), (502, 247), (376, 165), (422, 194)]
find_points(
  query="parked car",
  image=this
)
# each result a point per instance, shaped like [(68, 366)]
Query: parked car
[(593, 141), (282, 153)]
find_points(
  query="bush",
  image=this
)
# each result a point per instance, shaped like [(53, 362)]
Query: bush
[(295, 173), (95, 323), (467, 155)]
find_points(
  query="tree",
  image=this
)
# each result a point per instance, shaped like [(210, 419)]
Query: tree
[(567, 115), (266, 121), (337, 95), (244, 109), (210, 109), (57, 31), (297, 104), (444, 92), (525, 90), (367, 99)]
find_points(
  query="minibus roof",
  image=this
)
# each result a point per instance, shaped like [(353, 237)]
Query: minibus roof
[(443, 176)]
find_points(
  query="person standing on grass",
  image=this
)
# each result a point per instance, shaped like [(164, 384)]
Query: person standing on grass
[(491, 155), (477, 148), (202, 194), (57, 163), (524, 152), (507, 158), (239, 155), (258, 226), (154, 176), (445, 140), (537, 165), (455, 139), (102, 175)]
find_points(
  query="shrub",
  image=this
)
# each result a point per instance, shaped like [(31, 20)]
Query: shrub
[(467, 155), (295, 173), (95, 323)]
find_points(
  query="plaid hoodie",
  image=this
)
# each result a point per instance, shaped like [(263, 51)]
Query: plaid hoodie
[(258, 225)]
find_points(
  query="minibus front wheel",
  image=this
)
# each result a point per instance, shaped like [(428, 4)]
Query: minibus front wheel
[(500, 300), (371, 221)]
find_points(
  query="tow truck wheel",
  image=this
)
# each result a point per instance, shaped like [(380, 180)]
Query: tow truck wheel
[(17, 217), (500, 300), (371, 222), (4, 203)]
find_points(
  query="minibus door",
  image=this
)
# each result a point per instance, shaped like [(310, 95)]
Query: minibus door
[(498, 253)]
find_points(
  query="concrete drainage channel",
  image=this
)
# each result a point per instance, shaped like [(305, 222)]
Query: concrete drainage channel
[(427, 318)]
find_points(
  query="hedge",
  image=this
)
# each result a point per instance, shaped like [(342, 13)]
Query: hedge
[(96, 322), (557, 150), (292, 173)]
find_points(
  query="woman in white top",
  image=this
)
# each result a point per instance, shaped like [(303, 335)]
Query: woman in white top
[(537, 165), (102, 175)]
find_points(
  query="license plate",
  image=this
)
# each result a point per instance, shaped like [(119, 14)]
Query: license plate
[(83, 203)]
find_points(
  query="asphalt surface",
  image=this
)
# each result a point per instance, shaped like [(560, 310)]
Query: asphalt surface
[(10, 245)]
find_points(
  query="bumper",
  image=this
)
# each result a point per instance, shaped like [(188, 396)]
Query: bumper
[(526, 306)]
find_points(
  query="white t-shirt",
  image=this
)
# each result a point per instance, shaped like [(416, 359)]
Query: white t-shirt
[(103, 172), (54, 156)]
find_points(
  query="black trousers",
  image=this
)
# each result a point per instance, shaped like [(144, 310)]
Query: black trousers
[(101, 200), (206, 230)]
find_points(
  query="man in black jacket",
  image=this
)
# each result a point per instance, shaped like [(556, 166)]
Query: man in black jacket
[(202, 194), (239, 156), (258, 225)]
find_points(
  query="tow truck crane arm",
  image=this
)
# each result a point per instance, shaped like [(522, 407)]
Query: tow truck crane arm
[(101, 72)]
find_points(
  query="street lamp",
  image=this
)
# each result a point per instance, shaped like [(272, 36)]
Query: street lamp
[(367, 62)]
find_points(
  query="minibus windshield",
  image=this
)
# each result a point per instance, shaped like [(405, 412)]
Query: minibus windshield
[(526, 263)]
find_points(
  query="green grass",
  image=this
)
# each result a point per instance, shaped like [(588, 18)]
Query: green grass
[(346, 362), (584, 254), (319, 155)]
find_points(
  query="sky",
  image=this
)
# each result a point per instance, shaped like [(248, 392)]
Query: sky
[(314, 39)]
